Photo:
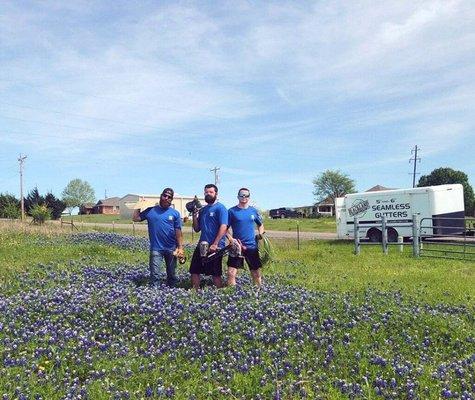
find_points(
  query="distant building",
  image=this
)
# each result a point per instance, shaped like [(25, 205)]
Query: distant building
[(86, 209), (324, 207), (378, 188), (107, 206), (127, 204)]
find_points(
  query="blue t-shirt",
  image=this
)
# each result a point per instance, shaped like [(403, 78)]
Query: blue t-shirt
[(242, 221), (162, 223), (210, 219)]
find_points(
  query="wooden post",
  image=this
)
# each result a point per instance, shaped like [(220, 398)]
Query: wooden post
[(298, 236), (385, 234), (356, 233), (415, 236)]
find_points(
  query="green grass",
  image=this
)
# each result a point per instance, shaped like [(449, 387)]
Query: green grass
[(305, 224), (319, 265), (325, 224), (362, 289), (98, 218)]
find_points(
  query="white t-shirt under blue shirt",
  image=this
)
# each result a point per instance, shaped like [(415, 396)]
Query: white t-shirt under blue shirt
[(162, 223), (243, 221)]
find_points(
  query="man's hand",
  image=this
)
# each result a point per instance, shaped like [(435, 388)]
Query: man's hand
[(213, 248), (258, 237), (180, 255)]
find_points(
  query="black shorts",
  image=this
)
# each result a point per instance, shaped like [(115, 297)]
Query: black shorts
[(250, 255), (214, 267)]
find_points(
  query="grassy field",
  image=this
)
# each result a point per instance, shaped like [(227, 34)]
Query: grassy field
[(79, 320), (305, 224)]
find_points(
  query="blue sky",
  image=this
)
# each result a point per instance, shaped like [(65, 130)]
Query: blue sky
[(136, 96)]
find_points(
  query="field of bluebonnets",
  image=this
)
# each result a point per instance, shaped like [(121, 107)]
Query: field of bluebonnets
[(78, 321)]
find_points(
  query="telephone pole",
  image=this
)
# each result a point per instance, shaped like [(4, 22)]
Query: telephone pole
[(21, 160), (216, 177), (416, 160)]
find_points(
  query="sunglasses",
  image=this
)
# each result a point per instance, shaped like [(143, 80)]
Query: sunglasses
[(167, 196), (244, 196)]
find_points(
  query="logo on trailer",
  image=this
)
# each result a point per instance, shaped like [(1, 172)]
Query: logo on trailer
[(358, 208)]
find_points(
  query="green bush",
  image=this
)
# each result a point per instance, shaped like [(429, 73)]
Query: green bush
[(9, 206), (40, 214), (11, 211)]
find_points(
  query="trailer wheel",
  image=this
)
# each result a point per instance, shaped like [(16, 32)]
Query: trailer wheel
[(282, 216), (374, 235), (392, 235)]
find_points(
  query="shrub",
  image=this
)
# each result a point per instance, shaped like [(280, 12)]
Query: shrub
[(9, 206), (40, 214), (11, 211)]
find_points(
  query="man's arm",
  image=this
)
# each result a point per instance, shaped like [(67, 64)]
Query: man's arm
[(179, 241), (221, 232), (196, 221), (136, 215), (260, 227)]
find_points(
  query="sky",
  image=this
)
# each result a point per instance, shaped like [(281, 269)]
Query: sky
[(135, 96)]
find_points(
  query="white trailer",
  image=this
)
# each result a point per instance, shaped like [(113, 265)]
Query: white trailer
[(434, 204)]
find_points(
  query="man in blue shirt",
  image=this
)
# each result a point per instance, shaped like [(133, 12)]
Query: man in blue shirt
[(242, 220), (212, 222), (164, 231)]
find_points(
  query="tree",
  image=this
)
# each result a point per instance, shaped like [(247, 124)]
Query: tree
[(78, 192), (444, 176), (33, 198), (55, 205), (9, 206), (40, 213), (332, 184)]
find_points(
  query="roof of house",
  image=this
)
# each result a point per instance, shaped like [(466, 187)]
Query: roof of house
[(378, 188), (88, 205), (111, 201), (325, 202)]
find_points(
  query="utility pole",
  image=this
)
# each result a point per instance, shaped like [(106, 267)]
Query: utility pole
[(105, 194), (415, 159), (216, 177), (21, 160)]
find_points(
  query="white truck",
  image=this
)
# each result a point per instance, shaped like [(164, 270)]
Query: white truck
[(433, 204)]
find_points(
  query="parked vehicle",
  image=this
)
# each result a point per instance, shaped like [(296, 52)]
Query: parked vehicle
[(284, 212), (398, 206)]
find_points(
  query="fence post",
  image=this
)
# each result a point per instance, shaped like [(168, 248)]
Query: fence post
[(415, 236), (400, 240), (113, 226), (298, 236), (133, 228), (356, 234), (385, 234)]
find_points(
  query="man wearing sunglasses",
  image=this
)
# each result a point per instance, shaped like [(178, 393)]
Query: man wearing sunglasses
[(242, 219), (164, 231)]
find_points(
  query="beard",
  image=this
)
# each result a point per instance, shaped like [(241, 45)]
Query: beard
[(210, 199), (165, 203)]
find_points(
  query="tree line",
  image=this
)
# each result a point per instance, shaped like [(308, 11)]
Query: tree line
[(42, 208)]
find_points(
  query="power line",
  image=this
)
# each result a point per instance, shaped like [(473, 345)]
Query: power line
[(416, 160)]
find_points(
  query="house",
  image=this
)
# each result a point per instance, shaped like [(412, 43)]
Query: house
[(322, 208), (378, 188), (325, 207), (86, 209), (107, 206), (128, 203)]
